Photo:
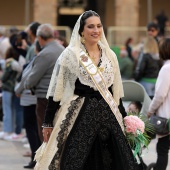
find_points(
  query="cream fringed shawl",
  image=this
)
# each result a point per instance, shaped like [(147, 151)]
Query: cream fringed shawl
[(62, 86), (66, 72)]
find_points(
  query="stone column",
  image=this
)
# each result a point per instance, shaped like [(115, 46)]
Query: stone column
[(45, 11), (127, 17)]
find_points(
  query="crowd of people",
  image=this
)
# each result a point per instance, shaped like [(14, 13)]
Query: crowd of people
[(148, 64), (26, 68), (141, 62), (68, 96)]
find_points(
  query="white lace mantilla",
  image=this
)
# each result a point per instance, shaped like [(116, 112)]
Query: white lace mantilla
[(67, 70)]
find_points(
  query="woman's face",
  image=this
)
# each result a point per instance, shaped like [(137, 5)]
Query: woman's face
[(92, 30)]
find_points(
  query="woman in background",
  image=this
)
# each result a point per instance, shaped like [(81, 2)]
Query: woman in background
[(160, 103), (8, 79), (148, 66), (128, 45)]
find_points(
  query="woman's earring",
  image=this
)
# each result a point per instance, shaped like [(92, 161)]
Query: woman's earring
[(82, 39)]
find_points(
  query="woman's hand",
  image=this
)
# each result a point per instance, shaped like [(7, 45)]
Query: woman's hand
[(149, 114), (18, 95), (47, 133)]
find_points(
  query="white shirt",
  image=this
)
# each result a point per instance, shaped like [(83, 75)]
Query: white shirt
[(161, 101)]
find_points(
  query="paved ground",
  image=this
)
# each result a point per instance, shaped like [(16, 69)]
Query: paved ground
[(150, 155), (11, 155)]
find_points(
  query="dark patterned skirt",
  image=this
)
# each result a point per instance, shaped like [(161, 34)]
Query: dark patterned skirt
[(96, 141)]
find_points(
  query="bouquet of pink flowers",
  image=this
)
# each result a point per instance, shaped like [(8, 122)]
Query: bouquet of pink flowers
[(133, 124), (136, 128)]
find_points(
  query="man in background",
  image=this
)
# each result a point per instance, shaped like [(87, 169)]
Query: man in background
[(153, 30), (43, 65), (162, 20)]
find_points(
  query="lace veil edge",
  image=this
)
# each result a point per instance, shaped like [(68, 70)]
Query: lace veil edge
[(66, 69)]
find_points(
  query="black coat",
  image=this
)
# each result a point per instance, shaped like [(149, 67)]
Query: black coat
[(147, 67)]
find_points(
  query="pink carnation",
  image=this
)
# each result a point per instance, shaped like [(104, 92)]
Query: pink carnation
[(133, 123)]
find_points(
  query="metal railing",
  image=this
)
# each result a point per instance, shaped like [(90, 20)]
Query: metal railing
[(117, 36)]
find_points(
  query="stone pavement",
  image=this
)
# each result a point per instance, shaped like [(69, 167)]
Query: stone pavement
[(11, 155), (150, 155)]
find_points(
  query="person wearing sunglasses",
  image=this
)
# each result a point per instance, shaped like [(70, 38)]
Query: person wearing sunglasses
[(153, 30)]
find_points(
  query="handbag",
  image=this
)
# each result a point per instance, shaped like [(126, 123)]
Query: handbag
[(160, 124)]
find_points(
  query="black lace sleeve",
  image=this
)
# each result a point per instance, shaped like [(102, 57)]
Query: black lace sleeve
[(122, 109), (51, 109)]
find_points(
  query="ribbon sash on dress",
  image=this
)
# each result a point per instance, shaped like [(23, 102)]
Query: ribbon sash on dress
[(100, 84)]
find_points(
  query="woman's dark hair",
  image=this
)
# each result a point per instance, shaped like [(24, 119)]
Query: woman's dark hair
[(12, 53), (153, 25), (128, 41), (13, 39), (86, 15), (164, 49)]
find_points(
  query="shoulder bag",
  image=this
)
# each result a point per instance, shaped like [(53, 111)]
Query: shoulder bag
[(160, 124)]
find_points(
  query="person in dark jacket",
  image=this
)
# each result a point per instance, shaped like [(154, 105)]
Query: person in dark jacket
[(148, 66)]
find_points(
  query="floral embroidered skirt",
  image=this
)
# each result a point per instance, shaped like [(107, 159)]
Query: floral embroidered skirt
[(96, 141)]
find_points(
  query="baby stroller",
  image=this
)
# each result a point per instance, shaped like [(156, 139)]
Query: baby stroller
[(133, 91)]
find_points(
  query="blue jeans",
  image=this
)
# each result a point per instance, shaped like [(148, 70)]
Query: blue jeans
[(18, 110), (8, 111), (13, 113), (149, 87)]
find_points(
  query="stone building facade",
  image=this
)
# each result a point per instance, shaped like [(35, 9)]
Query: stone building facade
[(117, 13), (113, 12)]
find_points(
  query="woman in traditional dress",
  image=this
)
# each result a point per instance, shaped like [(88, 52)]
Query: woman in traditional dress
[(83, 127)]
